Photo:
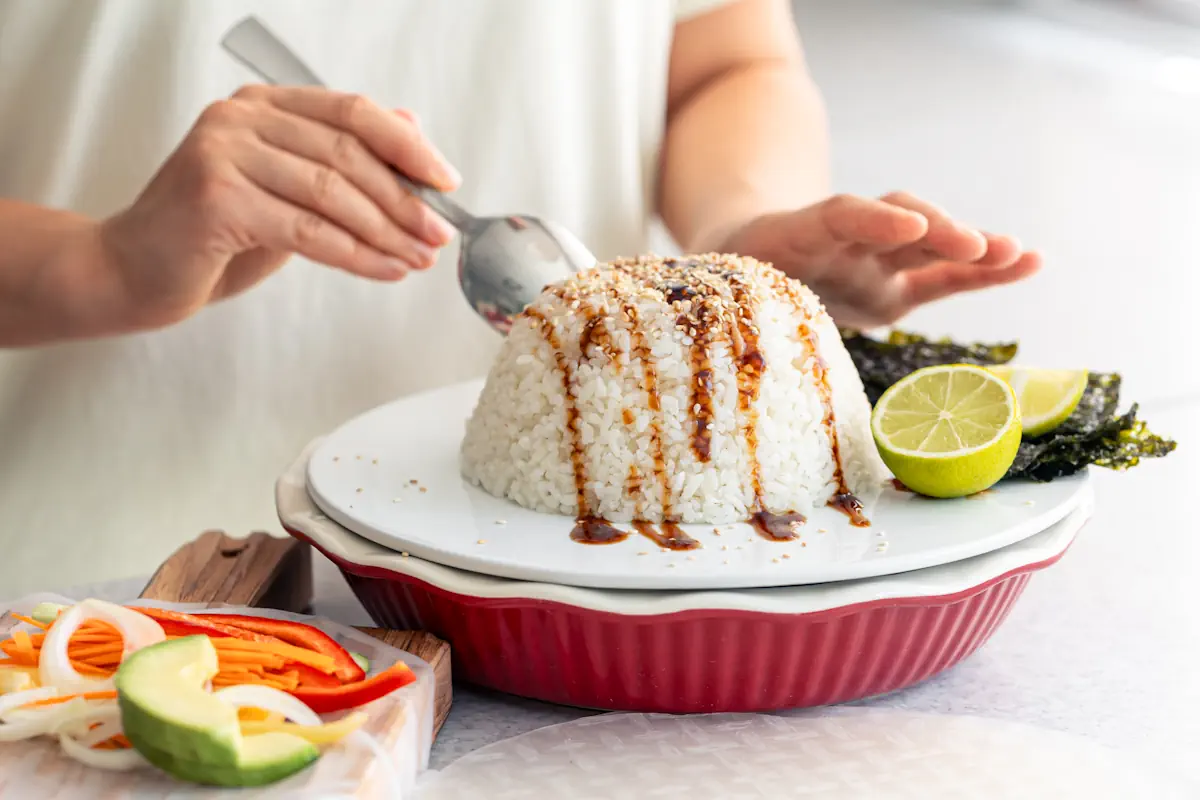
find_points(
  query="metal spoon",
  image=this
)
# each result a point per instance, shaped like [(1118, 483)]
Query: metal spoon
[(503, 263)]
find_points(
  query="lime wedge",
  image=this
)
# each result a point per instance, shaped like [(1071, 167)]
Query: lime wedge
[(1046, 396), (948, 431)]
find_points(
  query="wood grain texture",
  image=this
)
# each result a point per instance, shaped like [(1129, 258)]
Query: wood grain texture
[(264, 571)]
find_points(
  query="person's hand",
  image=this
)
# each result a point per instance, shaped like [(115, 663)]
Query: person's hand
[(873, 261), (271, 172)]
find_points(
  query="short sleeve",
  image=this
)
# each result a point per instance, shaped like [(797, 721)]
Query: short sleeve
[(686, 9)]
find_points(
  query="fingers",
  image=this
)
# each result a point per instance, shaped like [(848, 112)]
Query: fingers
[(945, 239), (350, 158), (392, 137), (849, 220), (283, 226), (324, 191), (943, 279)]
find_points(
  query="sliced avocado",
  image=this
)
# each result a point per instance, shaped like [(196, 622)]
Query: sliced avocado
[(186, 731)]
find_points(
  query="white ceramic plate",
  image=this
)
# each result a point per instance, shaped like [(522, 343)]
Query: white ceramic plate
[(392, 476), (300, 514)]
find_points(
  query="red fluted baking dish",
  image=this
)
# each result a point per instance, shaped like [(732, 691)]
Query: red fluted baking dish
[(682, 652)]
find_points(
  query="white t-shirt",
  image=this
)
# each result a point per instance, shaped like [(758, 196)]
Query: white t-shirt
[(115, 452)]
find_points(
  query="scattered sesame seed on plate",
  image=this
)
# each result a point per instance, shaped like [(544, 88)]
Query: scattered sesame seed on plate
[(358, 490), (691, 558), (374, 460), (404, 554), (726, 561), (423, 490), (644, 553), (358, 458), (671, 565), (716, 531), (395, 499), (1030, 503), (787, 555), (774, 560), (822, 530), (337, 458), (804, 544), (413, 481), (724, 547), (501, 522), (481, 541)]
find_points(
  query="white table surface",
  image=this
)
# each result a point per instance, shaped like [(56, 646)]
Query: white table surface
[(1018, 126)]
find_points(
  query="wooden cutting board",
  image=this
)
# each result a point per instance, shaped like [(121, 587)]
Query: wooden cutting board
[(265, 571)]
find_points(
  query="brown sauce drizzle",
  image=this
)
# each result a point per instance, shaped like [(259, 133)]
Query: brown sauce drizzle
[(751, 366), (842, 500), (572, 413), (641, 350), (590, 530), (777, 527), (668, 535), (852, 507)]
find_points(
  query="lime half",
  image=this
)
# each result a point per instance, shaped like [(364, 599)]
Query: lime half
[(948, 431), (1046, 396)]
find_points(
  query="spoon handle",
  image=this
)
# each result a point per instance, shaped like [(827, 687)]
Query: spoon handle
[(253, 44)]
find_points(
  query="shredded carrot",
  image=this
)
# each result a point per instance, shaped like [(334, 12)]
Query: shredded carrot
[(31, 621), (288, 652), (95, 650), (64, 698)]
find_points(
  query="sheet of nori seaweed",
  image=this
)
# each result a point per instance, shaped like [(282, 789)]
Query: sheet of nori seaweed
[(881, 363), (1094, 433)]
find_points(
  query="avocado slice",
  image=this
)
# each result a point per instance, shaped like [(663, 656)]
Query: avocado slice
[(187, 732)]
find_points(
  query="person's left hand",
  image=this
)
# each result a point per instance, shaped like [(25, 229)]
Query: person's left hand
[(873, 261)]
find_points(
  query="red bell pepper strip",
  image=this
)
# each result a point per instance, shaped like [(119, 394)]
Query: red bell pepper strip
[(345, 667), (353, 695), (177, 623), (314, 678)]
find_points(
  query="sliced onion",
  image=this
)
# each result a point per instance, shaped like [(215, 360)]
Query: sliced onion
[(268, 699), (117, 760), (106, 717), (54, 666), (10, 703), (40, 722)]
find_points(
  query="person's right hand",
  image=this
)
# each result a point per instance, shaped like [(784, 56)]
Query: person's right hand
[(271, 172)]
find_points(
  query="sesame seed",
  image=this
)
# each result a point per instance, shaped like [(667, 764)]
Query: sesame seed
[(1030, 503), (374, 460), (358, 490), (739, 547), (501, 522), (337, 458), (481, 541), (358, 458), (413, 481), (423, 490), (787, 555), (671, 565), (644, 553), (404, 554), (395, 499), (726, 561), (691, 558), (822, 530), (724, 547), (774, 560)]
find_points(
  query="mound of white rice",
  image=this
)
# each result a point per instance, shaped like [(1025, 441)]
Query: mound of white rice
[(691, 390)]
